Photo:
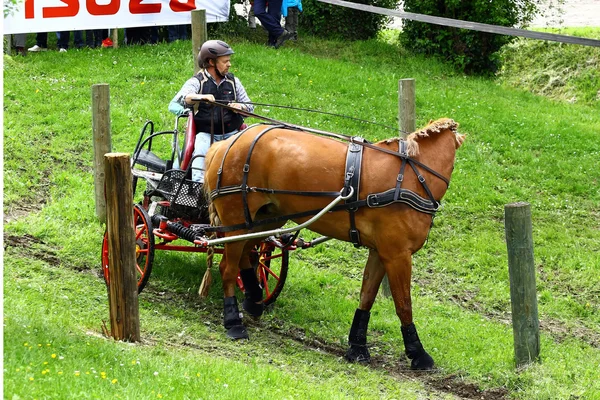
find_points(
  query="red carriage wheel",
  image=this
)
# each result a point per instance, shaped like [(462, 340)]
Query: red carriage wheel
[(271, 266), (144, 248)]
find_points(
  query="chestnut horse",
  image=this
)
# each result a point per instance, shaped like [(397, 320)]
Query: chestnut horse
[(291, 161)]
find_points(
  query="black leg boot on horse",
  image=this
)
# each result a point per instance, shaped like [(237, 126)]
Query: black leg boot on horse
[(232, 319), (358, 351), (420, 359), (253, 303)]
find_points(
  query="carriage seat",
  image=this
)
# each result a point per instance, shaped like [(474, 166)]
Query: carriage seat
[(151, 161)]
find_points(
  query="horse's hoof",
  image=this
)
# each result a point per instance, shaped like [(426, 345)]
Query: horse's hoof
[(422, 363), (254, 309), (359, 354), (237, 332)]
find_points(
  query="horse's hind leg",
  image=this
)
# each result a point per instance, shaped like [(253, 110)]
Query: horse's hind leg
[(398, 266), (357, 339)]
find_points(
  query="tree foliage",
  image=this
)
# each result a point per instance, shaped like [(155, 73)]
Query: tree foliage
[(470, 51), (331, 21)]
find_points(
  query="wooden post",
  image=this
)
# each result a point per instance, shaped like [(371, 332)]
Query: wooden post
[(199, 34), (521, 268), (8, 44), (115, 38), (406, 106), (102, 142), (122, 290), (406, 121)]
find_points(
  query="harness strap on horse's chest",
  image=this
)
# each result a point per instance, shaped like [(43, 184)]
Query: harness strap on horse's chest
[(352, 180), (246, 170)]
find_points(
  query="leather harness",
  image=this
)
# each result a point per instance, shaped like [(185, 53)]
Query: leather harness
[(352, 177)]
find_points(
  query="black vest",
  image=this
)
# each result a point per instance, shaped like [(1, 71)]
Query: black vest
[(223, 120)]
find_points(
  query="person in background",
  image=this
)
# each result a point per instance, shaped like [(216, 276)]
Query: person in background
[(213, 83), (63, 40), (269, 19), (177, 32), (41, 42), (94, 38), (290, 9), (20, 40)]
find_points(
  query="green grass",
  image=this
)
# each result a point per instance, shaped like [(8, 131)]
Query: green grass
[(561, 71), (520, 147)]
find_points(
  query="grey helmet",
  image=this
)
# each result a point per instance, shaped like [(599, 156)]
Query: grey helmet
[(213, 49)]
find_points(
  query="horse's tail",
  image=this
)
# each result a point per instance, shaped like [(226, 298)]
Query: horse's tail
[(214, 221)]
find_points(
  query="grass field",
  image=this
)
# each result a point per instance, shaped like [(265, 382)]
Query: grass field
[(520, 147)]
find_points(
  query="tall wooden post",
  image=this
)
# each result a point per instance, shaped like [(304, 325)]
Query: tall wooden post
[(406, 122), (199, 34), (102, 142), (122, 288), (115, 38), (406, 106), (521, 268), (8, 44)]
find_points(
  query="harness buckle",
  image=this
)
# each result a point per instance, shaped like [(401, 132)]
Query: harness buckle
[(400, 177), (372, 200), (246, 168), (421, 179)]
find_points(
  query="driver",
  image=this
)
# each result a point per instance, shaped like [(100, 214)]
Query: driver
[(213, 83)]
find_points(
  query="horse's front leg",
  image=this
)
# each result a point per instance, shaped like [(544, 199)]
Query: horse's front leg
[(357, 339), (398, 266), (229, 268)]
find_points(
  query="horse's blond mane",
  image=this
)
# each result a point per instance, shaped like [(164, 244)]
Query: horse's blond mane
[(433, 127)]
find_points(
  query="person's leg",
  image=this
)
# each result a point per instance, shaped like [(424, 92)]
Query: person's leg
[(41, 44), (90, 38), (41, 39), (78, 39), (63, 40), (172, 31), (269, 19), (19, 41), (201, 146), (295, 12)]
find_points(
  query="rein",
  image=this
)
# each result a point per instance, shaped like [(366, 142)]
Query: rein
[(346, 138)]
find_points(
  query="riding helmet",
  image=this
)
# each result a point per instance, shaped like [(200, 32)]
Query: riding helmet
[(213, 49)]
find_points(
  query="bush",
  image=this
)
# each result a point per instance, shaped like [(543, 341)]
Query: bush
[(330, 21), (470, 51)]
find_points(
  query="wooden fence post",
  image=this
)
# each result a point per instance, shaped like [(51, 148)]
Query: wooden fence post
[(115, 38), (8, 44), (122, 289), (199, 34), (102, 142), (521, 268), (406, 106), (406, 122)]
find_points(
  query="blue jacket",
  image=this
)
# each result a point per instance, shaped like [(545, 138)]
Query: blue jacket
[(290, 3)]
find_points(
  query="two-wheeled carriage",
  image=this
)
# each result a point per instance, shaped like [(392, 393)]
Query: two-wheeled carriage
[(172, 213)]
